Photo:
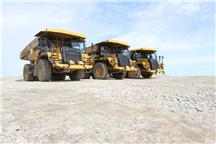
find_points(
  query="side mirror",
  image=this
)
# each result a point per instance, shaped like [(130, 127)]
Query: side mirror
[(161, 57)]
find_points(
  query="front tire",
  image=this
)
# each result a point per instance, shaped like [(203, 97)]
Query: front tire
[(28, 72), (43, 70), (58, 77), (100, 71), (118, 75), (134, 74), (147, 75), (76, 75), (85, 75)]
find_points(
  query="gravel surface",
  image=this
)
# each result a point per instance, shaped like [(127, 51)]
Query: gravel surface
[(160, 110)]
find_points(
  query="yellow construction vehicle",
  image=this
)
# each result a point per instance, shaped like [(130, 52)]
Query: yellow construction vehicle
[(88, 64), (146, 63), (110, 58), (53, 54)]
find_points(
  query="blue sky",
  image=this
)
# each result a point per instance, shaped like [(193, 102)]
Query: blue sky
[(183, 32)]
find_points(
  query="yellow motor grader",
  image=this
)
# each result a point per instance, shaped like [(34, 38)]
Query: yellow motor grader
[(53, 54), (110, 58), (147, 63)]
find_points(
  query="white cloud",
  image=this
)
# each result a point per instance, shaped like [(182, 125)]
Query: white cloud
[(159, 26), (139, 39)]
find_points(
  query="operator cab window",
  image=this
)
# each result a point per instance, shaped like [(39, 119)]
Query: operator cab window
[(126, 52), (103, 50), (153, 55), (138, 56), (77, 44)]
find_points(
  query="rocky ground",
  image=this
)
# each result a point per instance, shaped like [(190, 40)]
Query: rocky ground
[(160, 110)]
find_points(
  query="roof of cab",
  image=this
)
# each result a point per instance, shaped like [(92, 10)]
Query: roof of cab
[(114, 42), (62, 32), (145, 49)]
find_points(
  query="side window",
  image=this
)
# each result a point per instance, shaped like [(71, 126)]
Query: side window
[(145, 55), (138, 56), (103, 50), (154, 56)]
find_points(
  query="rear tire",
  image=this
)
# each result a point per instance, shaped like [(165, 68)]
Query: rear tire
[(62, 77), (100, 71), (85, 75), (58, 77), (147, 75), (92, 76), (76, 75), (88, 76), (43, 70), (118, 75), (28, 72), (134, 74)]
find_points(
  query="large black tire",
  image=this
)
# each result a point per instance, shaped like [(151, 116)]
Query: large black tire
[(92, 76), (146, 75), (28, 72), (118, 75), (85, 75), (100, 71), (62, 77), (82, 74), (43, 70), (57, 77), (134, 74), (76, 75)]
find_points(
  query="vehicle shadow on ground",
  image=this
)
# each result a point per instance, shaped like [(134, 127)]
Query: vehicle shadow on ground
[(19, 80), (68, 80)]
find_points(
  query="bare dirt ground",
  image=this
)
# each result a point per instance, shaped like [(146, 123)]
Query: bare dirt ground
[(162, 110)]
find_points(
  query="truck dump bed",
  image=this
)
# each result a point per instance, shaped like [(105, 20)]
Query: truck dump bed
[(32, 45)]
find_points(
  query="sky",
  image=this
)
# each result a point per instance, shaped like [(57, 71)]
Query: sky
[(183, 32)]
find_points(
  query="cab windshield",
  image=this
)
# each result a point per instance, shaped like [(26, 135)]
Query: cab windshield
[(149, 55), (126, 52), (77, 45), (117, 50), (68, 42)]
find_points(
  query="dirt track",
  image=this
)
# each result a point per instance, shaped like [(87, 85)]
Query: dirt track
[(167, 109)]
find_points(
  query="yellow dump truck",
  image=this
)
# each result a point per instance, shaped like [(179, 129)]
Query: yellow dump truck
[(147, 63), (53, 54), (110, 58)]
